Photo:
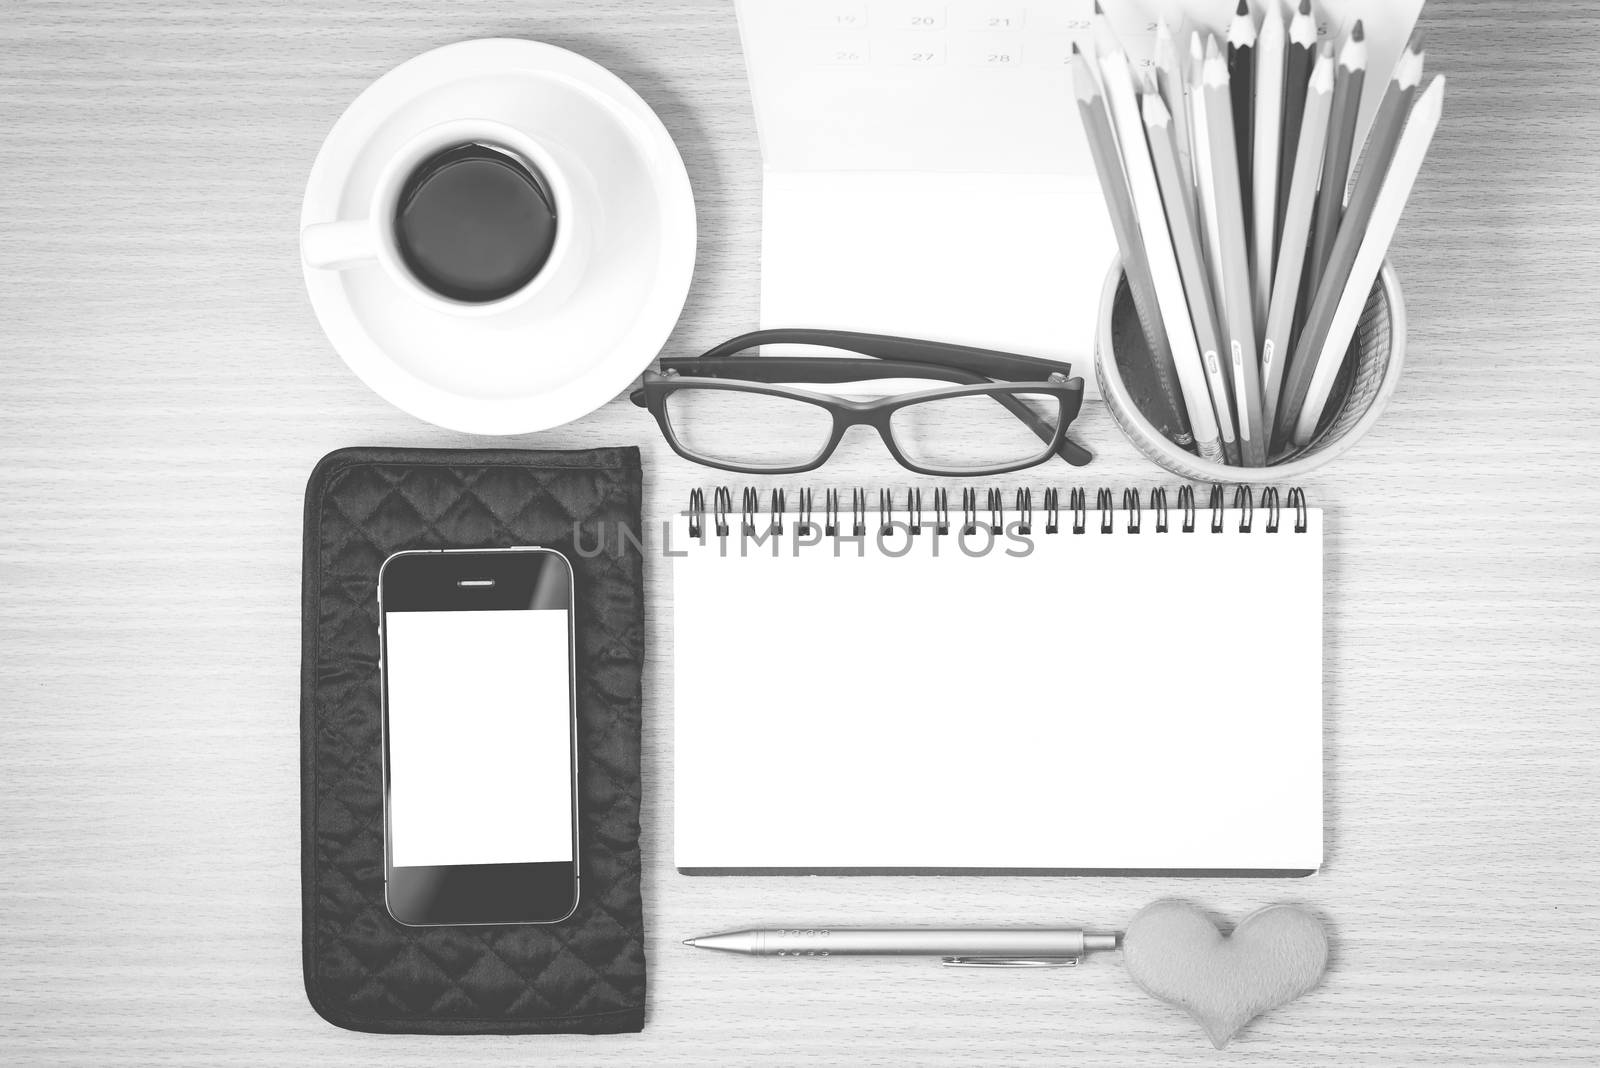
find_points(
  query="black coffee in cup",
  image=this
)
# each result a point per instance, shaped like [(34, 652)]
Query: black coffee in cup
[(474, 223)]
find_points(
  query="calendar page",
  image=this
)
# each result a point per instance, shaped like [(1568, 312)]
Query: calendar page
[(926, 171)]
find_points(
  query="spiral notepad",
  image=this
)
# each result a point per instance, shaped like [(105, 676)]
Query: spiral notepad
[(1069, 681)]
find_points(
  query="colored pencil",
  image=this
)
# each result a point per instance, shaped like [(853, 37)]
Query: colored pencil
[(1302, 57), (1387, 126), (1116, 80), (1135, 264), (1398, 97), (1348, 83), (1301, 203), (1263, 178), (1175, 92), (1200, 144), (1238, 316), (1241, 79), (1181, 224), (1378, 227)]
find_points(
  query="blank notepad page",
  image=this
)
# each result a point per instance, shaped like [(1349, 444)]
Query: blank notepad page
[(1098, 701)]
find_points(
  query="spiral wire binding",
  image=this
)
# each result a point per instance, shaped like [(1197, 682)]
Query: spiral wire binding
[(1302, 517), (697, 513), (749, 505), (1244, 502), (969, 512)]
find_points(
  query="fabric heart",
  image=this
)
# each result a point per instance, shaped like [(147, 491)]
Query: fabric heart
[(1224, 981)]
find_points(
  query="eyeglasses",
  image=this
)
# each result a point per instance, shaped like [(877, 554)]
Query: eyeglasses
[(1004, 412)]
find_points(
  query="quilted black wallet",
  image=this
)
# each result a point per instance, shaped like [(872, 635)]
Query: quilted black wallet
[(363, 970)]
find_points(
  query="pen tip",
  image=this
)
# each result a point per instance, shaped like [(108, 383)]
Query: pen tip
[(1359, 33)]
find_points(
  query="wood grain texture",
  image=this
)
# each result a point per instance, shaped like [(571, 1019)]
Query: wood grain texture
[(167, 390)]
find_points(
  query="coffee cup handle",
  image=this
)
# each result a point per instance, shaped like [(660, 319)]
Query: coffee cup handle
[(337, 245)]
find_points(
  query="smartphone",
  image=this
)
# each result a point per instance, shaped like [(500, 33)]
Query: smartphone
[(479, 736)]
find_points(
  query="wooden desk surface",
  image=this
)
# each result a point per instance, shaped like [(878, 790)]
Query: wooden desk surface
[(166, 390)]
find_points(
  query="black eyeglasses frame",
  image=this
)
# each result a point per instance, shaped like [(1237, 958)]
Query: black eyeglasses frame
[(889, 357)]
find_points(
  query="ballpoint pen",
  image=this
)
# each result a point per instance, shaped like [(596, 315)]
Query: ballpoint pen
[(971, 947)]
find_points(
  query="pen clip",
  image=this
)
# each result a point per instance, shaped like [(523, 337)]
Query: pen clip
[(1010, 962)]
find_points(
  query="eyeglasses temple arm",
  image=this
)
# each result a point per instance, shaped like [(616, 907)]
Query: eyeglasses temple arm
[(828, 369), (819, 369), (988, 362), (1068, 450)]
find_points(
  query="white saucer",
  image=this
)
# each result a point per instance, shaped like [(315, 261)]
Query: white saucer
[(527, 369)]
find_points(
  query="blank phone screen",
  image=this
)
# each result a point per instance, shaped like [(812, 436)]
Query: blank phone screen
[(480, 749)]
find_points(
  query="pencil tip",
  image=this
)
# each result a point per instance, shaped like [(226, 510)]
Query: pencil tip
[(1098, 10), (1305, 7), (688, 941), (1243, 8), (1359, 33), (1155, 111), (1083, 81), (1415, 44), (1076, 51)]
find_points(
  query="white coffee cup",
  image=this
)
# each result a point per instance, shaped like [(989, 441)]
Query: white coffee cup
[(347, 244)]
